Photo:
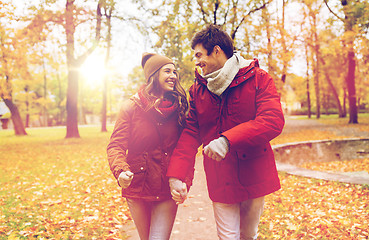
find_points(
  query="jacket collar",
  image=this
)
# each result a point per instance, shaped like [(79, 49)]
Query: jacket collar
[(243, 74)]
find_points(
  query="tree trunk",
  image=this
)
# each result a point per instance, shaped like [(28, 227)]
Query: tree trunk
[(350, 79), (104, 106), (317, 88), (73, 64), (27, 107), (108, 14), (283, 41), (72, 104), (351, 87), (27, 115), (316, 67), (7, 98), (349, 21), (266, 23), (72, 90), (82, 119), (61, 115), (45, 114), (308, 81), (16, 118), (333, 89)]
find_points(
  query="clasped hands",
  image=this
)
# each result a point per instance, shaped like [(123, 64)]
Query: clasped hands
[(216, 150), (178, 189)]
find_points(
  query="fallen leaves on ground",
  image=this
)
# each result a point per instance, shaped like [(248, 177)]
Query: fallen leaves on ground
[(355, 165), (302, 135), (56, 188), (314, 209), (307, 208)]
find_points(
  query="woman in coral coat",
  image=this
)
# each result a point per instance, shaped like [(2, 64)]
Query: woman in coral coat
[(144, 136)]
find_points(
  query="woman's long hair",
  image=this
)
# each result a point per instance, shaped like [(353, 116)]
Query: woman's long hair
[(151, 92)]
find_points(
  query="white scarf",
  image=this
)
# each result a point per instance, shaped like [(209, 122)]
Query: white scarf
[(219, 80)]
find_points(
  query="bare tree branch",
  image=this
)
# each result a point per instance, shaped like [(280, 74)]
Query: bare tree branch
[(80, 60), (326, 3), (233, 34), (226, 14), (204, 14), (216, 6)]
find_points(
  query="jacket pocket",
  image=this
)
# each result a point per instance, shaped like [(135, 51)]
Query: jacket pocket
[(139, 169), (254, 165)]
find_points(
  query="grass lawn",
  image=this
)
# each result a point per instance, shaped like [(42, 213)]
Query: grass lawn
[(56, 188)]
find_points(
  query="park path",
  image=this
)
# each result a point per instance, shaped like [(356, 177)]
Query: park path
[(195, 218)]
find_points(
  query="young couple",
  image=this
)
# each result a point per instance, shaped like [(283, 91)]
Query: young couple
[(234, 111)]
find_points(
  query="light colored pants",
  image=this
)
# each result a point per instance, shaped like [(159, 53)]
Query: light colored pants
[(153, 220), (238, 221)]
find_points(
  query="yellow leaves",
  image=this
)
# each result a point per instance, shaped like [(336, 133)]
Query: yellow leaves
[(60, 189), (50, 202), (312, 209), (355, 165), (291, 226), (13, 236), (303, 135)]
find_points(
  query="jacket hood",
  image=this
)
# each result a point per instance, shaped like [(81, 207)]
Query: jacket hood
[(136, 99)]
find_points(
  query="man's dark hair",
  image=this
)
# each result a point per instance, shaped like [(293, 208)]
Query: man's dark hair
[(211, 36)]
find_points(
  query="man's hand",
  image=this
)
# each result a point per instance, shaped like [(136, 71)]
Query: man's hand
[(217, 149), (178, 189), (125, 179)]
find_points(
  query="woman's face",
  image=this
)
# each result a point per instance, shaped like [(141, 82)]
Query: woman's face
[(167, 78)]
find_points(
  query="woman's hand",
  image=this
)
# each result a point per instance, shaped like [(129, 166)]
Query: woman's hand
[(125, 179)]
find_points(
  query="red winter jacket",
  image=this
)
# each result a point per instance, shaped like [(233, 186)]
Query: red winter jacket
[(249, 115), (143, 144)]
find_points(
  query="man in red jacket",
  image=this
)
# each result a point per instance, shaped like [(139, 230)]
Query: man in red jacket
[(234, 112)]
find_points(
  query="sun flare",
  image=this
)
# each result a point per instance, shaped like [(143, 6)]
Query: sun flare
[(93, 69)]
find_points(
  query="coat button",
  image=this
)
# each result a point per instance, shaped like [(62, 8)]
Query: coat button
[(142, 168), (166, 154), (157, 197)]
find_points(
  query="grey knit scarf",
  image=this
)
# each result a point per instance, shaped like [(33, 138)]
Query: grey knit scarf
[(219, 80)]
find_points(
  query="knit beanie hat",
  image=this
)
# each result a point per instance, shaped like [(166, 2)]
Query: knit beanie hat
[(152, 62)]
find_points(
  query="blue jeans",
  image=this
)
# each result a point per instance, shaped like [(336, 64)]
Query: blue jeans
[(153, 220)]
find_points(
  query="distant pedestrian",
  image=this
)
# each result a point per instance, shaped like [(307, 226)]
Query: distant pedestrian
[(235, 111), (145, 134)]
